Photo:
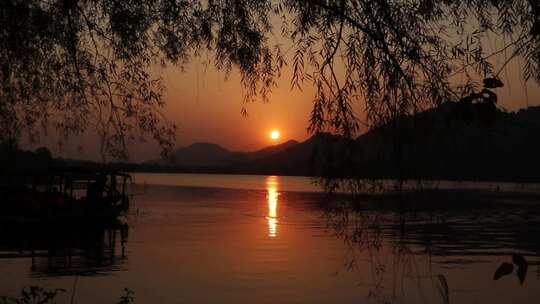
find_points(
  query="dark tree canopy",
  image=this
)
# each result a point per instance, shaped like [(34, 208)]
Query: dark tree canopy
[(74, 65)]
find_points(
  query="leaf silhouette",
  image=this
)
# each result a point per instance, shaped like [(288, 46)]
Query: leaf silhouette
[(519, 260), (443, 289), (493, 83), (522, 274), (504, 269), (522, 265)]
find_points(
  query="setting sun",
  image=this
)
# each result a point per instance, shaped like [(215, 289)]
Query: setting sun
[(274, 134)]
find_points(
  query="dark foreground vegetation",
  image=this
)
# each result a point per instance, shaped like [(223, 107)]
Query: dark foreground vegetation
[(39, 295)]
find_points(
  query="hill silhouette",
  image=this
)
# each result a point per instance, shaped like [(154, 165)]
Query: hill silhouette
[(198, 154), (215, 157), (441, 144), (445, 143), (448, 142)]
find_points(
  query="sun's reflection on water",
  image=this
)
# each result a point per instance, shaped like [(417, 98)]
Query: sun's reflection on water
[(272, 194)]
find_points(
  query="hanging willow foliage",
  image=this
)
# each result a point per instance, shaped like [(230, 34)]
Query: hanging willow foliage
[(75, 65)]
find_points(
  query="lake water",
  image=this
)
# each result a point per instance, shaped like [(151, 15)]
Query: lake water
[(268, 239)]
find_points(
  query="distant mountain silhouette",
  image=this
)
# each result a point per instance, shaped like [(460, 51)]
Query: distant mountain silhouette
[(451, 142), (209, 155), (199, 154), (290, 158), (448, 142)]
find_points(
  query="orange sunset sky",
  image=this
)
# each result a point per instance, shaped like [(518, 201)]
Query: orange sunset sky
[(206, 107)]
